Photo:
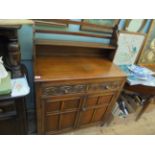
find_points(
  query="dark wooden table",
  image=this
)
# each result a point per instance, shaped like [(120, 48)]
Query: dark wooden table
[(147, 91), (13, 118)]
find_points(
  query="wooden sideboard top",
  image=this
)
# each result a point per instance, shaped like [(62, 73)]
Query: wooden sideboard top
[(74, 68)]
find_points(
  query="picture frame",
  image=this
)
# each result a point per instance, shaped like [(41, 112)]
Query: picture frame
[(129, 47), (148, 51), (101, 22), (135, 25)]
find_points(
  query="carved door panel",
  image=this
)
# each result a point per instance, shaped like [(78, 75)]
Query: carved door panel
[(94, 108), (61, 113)]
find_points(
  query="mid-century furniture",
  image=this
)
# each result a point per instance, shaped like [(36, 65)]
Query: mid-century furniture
[(12, 109), (76, 82)]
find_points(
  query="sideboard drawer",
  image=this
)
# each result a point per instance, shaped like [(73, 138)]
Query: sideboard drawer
[(105, 86), (63, 89), (58, 90)]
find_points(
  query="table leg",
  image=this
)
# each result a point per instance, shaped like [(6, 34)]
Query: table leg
[(146, 104)]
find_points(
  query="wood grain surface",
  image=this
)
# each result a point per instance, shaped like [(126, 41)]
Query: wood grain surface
[(67, 68)]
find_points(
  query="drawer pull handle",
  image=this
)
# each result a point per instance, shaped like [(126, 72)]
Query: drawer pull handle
[(107, 87), (66, 91)]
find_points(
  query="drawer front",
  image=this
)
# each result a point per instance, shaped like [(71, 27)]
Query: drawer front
[(7, 109), (51, 90), (64, 89), (105, 86), (7, 106)]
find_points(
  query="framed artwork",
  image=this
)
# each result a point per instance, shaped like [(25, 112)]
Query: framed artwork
[(148, 52), (102, 22), (135, 25), (129, 46)]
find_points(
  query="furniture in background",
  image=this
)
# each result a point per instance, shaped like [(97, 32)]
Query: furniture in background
[(147, 59), (10, 49), (131, 47), (135, 98), (144, 90), (12, 116), (12, 109), (76, 82), (147, 91)]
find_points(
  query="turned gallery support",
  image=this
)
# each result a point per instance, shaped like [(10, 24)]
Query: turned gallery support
[(14, 53)]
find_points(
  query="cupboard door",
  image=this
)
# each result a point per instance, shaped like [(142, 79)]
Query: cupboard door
[(94, 108), (61, 113)]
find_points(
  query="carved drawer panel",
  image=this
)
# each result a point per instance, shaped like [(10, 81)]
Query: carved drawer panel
[(106, 86), (62, 90), (80, 88)]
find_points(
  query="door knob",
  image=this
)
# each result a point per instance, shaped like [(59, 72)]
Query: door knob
[(83, 109)]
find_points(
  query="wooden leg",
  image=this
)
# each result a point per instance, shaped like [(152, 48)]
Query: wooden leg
[(146, 104), (14, 53)]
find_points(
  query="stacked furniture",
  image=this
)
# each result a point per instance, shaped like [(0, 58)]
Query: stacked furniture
[(76, 82), (13, 118)]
